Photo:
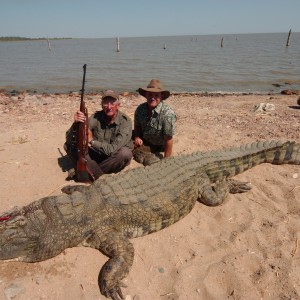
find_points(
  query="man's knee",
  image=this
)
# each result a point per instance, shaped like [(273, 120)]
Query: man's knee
[(124, 154), (66, 147)]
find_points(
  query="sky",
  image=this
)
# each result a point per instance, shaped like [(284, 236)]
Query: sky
[(121, 18)]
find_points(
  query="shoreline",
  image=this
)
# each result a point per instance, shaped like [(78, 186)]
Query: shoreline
[(15, 92)]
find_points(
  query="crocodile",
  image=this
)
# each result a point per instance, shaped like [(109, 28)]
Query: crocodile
[(117, 207)]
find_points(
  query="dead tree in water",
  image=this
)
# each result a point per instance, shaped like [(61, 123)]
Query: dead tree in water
[(49, 46), (288, 39), (118, 45)]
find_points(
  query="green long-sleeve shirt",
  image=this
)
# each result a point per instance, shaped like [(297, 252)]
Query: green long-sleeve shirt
[(108, 138)]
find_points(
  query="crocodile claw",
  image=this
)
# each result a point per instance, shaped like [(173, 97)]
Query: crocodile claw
[(236, 186), (70, 189), (114, 292)]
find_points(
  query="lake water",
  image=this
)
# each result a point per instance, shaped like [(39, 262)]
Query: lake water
[(245, 63)]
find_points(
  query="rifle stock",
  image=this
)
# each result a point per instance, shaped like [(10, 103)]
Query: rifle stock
[(83, 173)]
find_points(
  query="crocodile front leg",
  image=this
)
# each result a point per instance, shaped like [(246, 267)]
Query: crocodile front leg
[(121, 253)]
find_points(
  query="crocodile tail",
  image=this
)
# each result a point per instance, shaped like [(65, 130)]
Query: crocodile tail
[(273, 152), (283, 153), (238, 160)]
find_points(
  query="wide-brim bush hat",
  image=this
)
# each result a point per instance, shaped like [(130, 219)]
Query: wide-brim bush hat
[(155, 86)]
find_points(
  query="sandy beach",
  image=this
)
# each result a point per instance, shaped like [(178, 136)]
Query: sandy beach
[(247, 248)]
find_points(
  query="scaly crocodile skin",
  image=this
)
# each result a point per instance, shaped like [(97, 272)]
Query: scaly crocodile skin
[(130, 204)]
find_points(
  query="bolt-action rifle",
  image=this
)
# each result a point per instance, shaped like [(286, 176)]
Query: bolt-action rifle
[(83, 173)]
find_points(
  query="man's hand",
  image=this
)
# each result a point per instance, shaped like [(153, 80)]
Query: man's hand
[(138, 141), (79, 117)]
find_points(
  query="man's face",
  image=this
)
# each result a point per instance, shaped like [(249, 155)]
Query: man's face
[(153, 99), (110, 106)]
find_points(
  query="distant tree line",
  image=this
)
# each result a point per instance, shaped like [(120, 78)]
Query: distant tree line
[(19, 38)]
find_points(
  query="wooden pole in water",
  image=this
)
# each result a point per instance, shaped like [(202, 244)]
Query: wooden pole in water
[(222, 43), (118, 44), (49, 46), (288, 39)]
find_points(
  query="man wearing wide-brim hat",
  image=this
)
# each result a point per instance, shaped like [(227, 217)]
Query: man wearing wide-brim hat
[(154, 120)]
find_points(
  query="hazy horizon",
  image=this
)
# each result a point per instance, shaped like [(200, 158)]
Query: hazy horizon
[(173, 35)]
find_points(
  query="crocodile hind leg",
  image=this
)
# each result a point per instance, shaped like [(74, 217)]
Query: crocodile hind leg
[(212, 195), (121, 253)]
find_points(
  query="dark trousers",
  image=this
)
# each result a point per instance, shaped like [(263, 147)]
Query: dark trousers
[(99, 164), (154, 148)]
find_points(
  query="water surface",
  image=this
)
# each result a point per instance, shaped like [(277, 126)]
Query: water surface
[(245, 63)]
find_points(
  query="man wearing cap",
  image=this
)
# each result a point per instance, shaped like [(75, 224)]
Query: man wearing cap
[(110, 131), (154, 121)]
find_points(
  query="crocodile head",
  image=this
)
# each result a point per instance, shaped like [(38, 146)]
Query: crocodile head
[(16, 240)]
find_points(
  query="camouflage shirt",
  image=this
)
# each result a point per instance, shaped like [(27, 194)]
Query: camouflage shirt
[(161, 123)]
